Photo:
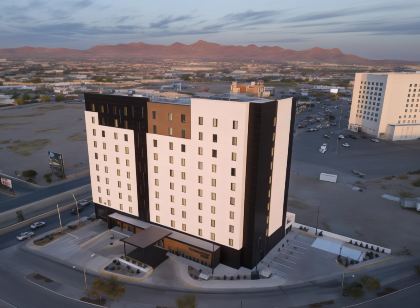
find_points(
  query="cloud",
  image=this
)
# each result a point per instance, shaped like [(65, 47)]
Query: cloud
[(165, 22), (81, 4)]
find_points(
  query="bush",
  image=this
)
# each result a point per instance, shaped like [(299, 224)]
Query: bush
[(370, 283), (48, 177), (354, 290), (29, 174)]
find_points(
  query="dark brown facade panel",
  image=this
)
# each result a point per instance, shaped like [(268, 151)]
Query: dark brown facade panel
[(169, 119)]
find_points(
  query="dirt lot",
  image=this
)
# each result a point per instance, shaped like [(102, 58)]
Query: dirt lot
[(28, 132)]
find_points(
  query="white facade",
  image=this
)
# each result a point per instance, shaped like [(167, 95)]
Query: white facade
[(386, 105), (112, 165), (204, 199)]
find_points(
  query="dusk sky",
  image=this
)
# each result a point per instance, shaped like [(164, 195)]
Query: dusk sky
[(374, 29)]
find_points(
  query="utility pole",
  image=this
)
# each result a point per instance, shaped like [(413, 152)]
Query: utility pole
[(77, 209), (84, 275), (317, 220), (59, 218)]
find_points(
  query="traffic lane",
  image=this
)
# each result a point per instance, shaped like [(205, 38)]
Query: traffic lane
[(52, 222)]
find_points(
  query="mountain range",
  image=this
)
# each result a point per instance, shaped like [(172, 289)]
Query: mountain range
[(200, 50)]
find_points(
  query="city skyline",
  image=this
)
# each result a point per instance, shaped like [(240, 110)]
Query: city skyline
[(376, 30)]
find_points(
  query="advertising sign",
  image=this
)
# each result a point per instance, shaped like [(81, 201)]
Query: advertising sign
[(55, 159), (6, 182)]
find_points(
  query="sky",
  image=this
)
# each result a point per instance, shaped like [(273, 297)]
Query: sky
[(378, 29)]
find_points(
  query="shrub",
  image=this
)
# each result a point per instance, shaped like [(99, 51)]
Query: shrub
[(29, 174)]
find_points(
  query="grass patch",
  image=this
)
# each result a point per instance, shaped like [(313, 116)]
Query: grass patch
[(48, 238), (26, 148), (77, 137), (416, 183)]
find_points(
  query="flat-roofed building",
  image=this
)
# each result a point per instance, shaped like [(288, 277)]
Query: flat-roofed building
[(386, 105), (213, 169)]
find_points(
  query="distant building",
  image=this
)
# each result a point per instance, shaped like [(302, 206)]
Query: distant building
[(213, 173), (386, 105), (253, 88)]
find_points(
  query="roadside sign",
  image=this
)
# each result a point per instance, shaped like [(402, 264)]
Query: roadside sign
[(6, 182)]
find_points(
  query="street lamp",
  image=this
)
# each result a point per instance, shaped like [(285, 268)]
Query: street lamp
[(77, 209)]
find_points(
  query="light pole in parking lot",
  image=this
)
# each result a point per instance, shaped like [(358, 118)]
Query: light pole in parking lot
[(317, 220), (59, 217), (77, 209)]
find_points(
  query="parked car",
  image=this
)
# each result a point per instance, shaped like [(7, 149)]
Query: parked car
[(312, 130), (37, 225), (346, 145), (326, 136), (340, 137), (374, 140), (323, 148), (25, 235)]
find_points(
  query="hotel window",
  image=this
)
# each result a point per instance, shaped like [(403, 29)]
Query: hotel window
[(235, 124), (213, 182), (214, 122), (214, 138), (200, 136), (182, 147), (170, 116), (200, 121), (183, 188), (116, 148), (119, 184), (214, 153), (96, 155), (200, 206), (213, 210), (274, 121), (183, 118), (200, 165), (232, 186), (104, 146), (128, 186), (184, 227), (231, 229), (171, 173), (130, 209), (213, 196), (173, 223), (156, 182), (120, 195), (107, 181), (200, 192), (128, 175), (200, 232), (170, 131), (213, 168), (183, 162), (183, 201), (200, 219), (213, 236), (155, 143), (106, 169), (155, 169), (156, 194), (105, 158), (108, 192), (172, 199), (115, 136), (234, 140), (126, 150), (94, 132), (100, 199), (155, 156), (98, 179), (230, 242), (200, 179), (233, 171), (99, 189), (125, 137), (172, 211), (171, 185), (157, 219), (93, 120), (121, 207), (103, 133), (171, 159), (118, 172), (232, 201), (184, 214), (183, 175), (95, 144), (233, 156), (109, 202), (157, 206), (127, 163), (171, 146), (232, 215), (200, 151), (183, 133), (153, 114), (154, 129)]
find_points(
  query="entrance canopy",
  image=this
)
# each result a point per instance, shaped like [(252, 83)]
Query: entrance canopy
[(148, 237)]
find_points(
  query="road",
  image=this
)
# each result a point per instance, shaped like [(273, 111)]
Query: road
[(42, 193)]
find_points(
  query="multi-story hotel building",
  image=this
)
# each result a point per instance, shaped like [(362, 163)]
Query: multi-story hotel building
[(214, 172), (386, 105)]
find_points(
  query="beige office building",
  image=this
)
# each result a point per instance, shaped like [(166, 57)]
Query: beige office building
[(386, 105)]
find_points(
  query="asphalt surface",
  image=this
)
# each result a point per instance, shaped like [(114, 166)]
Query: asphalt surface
[(42, 193)]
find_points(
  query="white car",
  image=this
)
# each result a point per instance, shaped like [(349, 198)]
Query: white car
[(340, 137), (374, 140), (38, 224), (25, 235), (346, 145), (323, 148)]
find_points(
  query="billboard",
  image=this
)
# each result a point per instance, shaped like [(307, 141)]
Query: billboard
[(55, 159), (6, 182)]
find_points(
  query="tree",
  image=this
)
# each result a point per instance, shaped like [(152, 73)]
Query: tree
[(187, 301), (19, 101), (60, 98), (45, 98)]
